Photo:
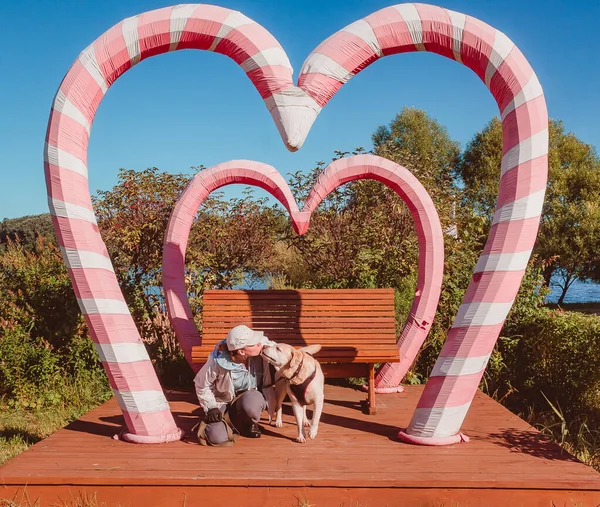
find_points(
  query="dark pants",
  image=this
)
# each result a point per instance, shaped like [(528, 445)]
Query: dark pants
[(243, 412)]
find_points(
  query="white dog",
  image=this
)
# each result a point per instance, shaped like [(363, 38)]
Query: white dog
[(303, 378)]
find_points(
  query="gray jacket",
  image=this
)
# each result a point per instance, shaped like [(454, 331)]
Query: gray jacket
[(214, 383)]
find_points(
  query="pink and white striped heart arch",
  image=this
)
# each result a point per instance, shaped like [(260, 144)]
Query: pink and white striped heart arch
[(396, 29)]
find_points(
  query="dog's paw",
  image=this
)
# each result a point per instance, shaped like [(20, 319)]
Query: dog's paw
[(306, 423), (313, 433), (301, 439), (278, 423)]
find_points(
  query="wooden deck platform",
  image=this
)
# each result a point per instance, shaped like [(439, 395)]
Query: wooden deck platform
[(356, 460)]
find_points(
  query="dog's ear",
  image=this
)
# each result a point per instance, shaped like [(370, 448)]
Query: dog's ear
[(310, 349), (296, 359)]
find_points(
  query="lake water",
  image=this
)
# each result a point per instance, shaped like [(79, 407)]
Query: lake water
[(579, 292)]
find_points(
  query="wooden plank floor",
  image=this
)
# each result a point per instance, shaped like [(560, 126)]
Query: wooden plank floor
[(356, 460)]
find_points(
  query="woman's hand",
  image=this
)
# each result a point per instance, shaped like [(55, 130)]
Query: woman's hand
[(213, 415)]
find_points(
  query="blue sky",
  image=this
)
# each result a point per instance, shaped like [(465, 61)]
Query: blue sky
[(188, 108)]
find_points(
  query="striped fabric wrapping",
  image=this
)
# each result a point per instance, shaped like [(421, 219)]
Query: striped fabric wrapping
[(518, 93), (179, 226), (117, 339), (431, 248)]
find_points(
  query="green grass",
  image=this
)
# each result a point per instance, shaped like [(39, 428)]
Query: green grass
[(20, 427), (579, 440), (22, 499)]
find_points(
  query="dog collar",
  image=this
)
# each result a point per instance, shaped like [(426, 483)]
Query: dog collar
[(298, 370), (289, 379)]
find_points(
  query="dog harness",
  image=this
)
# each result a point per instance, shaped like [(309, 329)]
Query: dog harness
[(299, 390)]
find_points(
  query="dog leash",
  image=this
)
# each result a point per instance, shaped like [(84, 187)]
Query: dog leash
[(273, 381)]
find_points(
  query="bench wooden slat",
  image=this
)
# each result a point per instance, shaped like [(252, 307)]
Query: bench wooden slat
[(345, 370), (335, 347), (341, 345), (287, 299), (335, 351), (275, 303), (315, 338), (357, 311), (213, 314), (296, 330), (310, 321), (320, 309), (324, 360), (309, 340), (321, 339), (341, 360), (327, 352), (299, 293)]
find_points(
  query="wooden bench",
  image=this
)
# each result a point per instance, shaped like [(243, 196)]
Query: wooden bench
[(356, 327)]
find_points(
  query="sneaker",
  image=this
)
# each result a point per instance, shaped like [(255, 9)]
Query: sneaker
[(253, 431)]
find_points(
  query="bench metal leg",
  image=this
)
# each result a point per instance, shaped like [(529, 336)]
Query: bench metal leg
[(372, 407)]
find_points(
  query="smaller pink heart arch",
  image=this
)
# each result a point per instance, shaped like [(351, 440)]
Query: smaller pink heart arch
[(398, 178)]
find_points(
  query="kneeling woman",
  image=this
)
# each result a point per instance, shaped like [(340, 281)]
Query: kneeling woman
[(229, 387)]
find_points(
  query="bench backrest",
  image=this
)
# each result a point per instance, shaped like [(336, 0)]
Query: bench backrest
[(338, 317)]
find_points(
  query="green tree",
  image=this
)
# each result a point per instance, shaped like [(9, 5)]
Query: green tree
[(36, 293), (422, 145), (234, 241), (568, 242), (570, 229), (479, 169), (132, 218), (44, 343), (26, 229)]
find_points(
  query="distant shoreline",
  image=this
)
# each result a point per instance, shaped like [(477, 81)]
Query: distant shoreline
[(577, 307)]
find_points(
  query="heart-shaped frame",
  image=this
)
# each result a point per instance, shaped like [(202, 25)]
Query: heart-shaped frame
[(398, 178), (396, 29)]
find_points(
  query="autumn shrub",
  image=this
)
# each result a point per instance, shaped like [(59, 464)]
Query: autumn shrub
[(555, 358), (43, 339)]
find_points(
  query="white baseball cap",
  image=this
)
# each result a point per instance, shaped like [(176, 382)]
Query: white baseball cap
[(242, 336)]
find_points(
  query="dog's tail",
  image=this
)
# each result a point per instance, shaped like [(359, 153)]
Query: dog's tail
[(310, 349)]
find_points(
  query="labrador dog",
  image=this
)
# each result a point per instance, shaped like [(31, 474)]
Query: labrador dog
[(300, 375)]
